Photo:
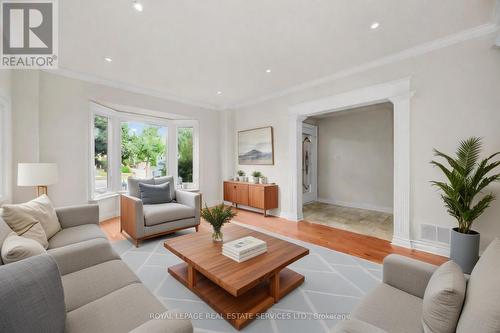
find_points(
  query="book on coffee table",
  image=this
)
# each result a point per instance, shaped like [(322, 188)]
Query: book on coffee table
[(244, 248)]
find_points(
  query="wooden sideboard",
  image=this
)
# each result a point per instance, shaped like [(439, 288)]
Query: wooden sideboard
[(260, 196)]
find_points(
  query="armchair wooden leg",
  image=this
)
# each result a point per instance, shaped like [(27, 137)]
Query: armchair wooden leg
[(137, 242), (196, 228)]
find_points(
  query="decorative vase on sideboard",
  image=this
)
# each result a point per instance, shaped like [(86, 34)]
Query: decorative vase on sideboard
[(464, 249)]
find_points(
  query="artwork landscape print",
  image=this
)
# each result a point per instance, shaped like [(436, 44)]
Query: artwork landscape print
[(255, 146)]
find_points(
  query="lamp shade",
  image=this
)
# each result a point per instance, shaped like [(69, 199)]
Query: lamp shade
[(36, 174)]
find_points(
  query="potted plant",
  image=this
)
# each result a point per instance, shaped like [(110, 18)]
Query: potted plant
[(241, 175), (217, 217), (256, 176), (463, 197)]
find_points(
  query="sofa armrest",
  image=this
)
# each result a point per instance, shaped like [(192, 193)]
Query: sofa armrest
[(77, 256), (167, 322), (191, 199), (31, 296), (408, 275), (132, 215), (356, 326), (72, 216)]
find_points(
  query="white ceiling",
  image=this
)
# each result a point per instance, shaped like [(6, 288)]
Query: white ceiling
[(193, 48)]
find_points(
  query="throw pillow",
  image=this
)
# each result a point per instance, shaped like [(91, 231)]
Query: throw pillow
[(16, 248), (133, 185), (443, 299), (155, 194), (24, 225), (40, 209)]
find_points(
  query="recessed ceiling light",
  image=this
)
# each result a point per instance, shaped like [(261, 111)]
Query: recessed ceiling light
[(108, 59), (268, 70), (138, 6), (374, 25), (219, 93)]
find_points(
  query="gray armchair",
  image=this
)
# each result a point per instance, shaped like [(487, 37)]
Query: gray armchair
[(142, 221)]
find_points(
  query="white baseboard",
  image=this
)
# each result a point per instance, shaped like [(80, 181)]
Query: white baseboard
[(431, 247), (356, 205)]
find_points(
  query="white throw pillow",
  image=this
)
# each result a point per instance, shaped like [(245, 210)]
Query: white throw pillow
[(24, 225), (443, 299), (40, 209), (15, 248)]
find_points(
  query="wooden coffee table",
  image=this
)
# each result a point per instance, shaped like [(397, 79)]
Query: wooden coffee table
[(237, 291)]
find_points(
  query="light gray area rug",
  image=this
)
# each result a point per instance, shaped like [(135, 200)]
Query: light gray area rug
[(334, 284)]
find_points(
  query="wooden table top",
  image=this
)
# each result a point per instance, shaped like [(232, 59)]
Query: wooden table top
[(198, 250)]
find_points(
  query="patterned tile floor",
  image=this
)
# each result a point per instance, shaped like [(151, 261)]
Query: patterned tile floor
[(361, 221), (334, 284)]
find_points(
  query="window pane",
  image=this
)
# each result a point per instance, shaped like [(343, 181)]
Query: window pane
[(144, 151), (185, 154), (101, 153)]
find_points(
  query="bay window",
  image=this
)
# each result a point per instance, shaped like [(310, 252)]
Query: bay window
[(143, 146)]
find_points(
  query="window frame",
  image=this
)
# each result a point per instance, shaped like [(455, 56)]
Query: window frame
[(115, 120), (195, 184)]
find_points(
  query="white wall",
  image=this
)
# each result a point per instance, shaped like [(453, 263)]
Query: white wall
[(25, 129), (6, 132), (58, 131), (457, 95), (356, 158)]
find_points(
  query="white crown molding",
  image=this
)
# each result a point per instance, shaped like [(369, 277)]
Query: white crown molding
[(129, 87), (418, 50)]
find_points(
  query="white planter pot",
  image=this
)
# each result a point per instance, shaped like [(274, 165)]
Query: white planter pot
[(263, 180)]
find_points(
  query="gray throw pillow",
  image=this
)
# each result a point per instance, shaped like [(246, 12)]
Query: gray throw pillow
[(155, 194), (443, 299)]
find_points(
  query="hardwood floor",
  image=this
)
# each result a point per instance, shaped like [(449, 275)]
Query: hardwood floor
[(366, 247)]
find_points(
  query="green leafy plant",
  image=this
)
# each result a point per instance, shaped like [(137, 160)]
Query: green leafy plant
[(217, 217), (241, 173), (257, 174), (466, 178)]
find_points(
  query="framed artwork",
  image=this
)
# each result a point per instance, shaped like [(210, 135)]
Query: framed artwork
[(256, 146)]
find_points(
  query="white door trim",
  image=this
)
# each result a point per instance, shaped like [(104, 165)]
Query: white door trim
[(398, 93)]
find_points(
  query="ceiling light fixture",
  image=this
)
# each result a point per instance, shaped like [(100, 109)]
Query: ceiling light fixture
[(268, 70), (108, 59), (138, 6), (219, 93), (374, 25)]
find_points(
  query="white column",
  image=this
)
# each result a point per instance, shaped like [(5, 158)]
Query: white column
[(401, 199), (295, 160)]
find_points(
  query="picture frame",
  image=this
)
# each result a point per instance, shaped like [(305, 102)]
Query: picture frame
[(256, 146)]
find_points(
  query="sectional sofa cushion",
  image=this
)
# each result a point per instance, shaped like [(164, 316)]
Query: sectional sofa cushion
[(443, 299), (24, 224), (87, 285), (481, 311), (133, 185), (391, 309), (31, 296), (161, 213), (155, 194), (40, 209), (15, 248), (76, 234), (119, 311)]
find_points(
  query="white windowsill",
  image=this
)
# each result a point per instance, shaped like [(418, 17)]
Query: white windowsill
[(107, 195)]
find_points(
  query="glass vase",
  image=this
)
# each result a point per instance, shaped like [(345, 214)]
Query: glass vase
[(217, 235)]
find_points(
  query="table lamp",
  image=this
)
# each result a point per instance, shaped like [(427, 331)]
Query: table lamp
[(37, 174)]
